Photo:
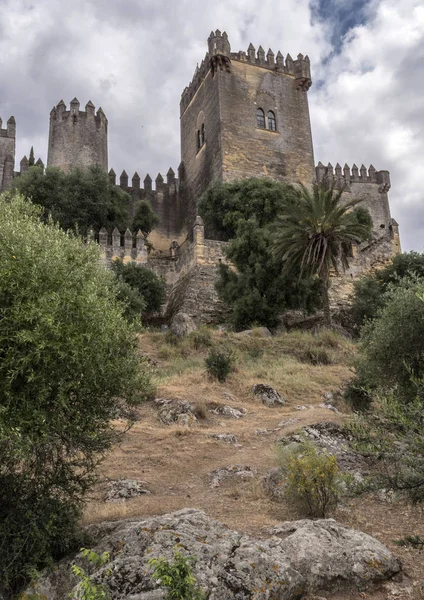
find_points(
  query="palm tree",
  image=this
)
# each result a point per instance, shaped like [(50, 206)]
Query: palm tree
[(315, 232)]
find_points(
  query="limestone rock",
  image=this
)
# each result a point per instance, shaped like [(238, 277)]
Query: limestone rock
[(329, 555), (225, 437), (274, 484), (229, 411), (123, 489), (175, 412), (230, 566), (255, 332), (268, 395), (222, 474), (335, 440), (182, 324)]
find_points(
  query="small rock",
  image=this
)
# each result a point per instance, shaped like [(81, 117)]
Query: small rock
[(224, 473), (262, 432), (123, 489), (175, 412), (182, 324), (303, 407), (329, 406), (268, 395), (288, 422), (255, 332), (228, 411), (225, 437), (273, 483)]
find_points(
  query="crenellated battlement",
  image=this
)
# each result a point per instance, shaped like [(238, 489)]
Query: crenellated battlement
[(10, 131), (77, 138), (346, 176), (169, 186), (219, 56), (61, 113)]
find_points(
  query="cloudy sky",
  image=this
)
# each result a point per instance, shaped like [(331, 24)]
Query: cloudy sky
[(134, 57)]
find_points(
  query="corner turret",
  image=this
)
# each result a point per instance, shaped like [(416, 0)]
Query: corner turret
[(219, 51), (7, 153)]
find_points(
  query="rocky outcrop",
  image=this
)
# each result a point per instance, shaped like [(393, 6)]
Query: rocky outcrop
[(268, 395), (182, 325), (124, 489), (299, 556), (175, 412)]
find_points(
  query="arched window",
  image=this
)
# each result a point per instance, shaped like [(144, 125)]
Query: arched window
[(272, 124), (260, 118), (200, 136)]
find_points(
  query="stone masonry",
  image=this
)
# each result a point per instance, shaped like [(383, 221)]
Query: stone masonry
[(244, 114)]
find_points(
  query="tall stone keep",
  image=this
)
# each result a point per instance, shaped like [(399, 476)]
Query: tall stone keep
[(7, 153), (246, 114), (77, 138)]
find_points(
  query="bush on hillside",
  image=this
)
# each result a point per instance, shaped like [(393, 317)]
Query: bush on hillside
[(66, 354), (313, 480), (220, 363), (392, 348), (369, 293)]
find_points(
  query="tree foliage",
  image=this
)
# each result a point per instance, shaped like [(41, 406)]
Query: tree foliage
[(177, 577), (315, 231), (144, 219), (145, 282), (392, 348), (66, 355), (79, 200), (369, 295), (257, 292)]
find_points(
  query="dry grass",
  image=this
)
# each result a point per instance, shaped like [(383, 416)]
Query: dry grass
[(176, 461)]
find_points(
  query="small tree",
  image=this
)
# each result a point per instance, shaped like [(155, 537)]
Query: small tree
[(31, 160), (315, 232), (257, 292), (145, 219), (66, 355), (145, 282)]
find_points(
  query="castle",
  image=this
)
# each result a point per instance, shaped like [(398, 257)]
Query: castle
[(244, 114)]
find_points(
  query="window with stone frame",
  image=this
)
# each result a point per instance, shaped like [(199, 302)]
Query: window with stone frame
[(260, 118), (272, 123), (200, 136)]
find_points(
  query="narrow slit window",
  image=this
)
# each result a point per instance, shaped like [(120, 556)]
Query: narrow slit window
[(202, 134), (260, 118), (272, 124)]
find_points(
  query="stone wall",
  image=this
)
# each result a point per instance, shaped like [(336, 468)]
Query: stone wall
[(7, 154), (77, 138)]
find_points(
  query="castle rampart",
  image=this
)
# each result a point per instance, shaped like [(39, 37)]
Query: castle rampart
[(166, 201), (77, 138), (7, 153)]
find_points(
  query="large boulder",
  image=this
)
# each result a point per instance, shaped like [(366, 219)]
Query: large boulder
[(329, 555), (182, 324), (230, 566)]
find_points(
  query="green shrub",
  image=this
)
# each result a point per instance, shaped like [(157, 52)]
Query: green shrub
[(150, 287), (66, 355), (177, 577), (357, 395), (172, 339), (369, 296), (89, 590), (220, 363), (392, 348), (411, 541), (313, 480)]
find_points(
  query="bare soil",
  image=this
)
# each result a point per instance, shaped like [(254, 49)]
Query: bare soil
[(176, 462)]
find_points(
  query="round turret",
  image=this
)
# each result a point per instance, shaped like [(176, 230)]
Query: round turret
[(218, 44)]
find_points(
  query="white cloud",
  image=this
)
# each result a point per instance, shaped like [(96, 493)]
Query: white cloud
[(134, 58)]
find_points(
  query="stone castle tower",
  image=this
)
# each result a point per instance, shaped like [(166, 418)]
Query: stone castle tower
[(246, 114), (77, 138), (7, 153)]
